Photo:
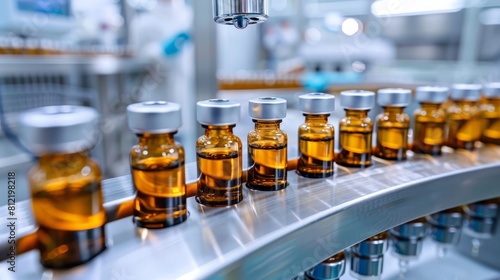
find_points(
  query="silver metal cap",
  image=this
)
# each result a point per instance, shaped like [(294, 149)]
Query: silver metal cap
[(317, 103), (492, 90), (432, 94), (397, 97), (267, 108), (371, 247), (471, 92), (154, 117), (412, 229), (357, 99), (366, 268), (240, 13), (59, 129), (407, 248), (449, 218), (218, 112), (483, 209), (330, 269)]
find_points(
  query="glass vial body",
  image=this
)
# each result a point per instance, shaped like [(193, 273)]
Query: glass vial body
[(356, 129), (220, 167), (65, 185), (219, 154), (316, 136), (267, 145), (158, 175), (68, 207), (393, 124), (316, 147), (462, 119), (392, 134), (267, 157), (490, 115), (429, 120), (429, 129), (157, 165)]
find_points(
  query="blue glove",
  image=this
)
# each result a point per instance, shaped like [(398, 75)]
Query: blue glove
[(174, 45)]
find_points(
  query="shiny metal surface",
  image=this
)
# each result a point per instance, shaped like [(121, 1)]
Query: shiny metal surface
[(471, 92), (397, 97), (316, 103), (59, 129), (240, 13), (431, 94), (277, 235), (357, 99), (330, 269), (218, 112), (407, 239), (154, 117), (365, 268), (368, 248), (267, 108)]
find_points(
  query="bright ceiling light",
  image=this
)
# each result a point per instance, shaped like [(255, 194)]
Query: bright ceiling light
[(351, 26), (388, 8)]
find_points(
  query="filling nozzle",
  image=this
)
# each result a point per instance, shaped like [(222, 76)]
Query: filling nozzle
[(240, 13)]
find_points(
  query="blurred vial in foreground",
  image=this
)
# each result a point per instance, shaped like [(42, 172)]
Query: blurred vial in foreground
[(367, 257)]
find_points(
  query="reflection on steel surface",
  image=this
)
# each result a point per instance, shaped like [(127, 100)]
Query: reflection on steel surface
[(278, 234)]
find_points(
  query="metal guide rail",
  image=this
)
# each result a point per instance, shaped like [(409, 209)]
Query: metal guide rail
[(274, 235)]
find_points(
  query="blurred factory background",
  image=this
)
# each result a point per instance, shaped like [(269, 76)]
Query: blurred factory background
[(110, 53)]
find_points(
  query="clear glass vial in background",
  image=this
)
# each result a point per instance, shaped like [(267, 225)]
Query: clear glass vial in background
[(157, 164), (463, 123), (356, 129), (490, 114), (429, 120), (316, 136), (267, 145), (219, 154), (393, 124), (65, 185), (330, 269)]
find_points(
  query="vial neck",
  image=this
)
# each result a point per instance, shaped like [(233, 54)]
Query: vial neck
[(430, 106), (393, 110), (317, 119), (465, 103), (156, 139), (356, 113), (63, 159), (265, 124), (212, 130)]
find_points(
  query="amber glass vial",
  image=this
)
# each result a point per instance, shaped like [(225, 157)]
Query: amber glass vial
[(65, 185), (356, 129), (490, 114), (219, 154), (267, 145), (393, 124), (157, 165), (429, 120), (463, 122), (316, 136)]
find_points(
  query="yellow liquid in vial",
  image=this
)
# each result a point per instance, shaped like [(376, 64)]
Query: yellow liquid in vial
[(392, 142), (161, 189), (267, 163), (429, 137), (355, 147), (316, 155), (71, 222), (219, 177)]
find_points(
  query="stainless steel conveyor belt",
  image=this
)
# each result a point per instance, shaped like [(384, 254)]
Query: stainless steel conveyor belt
[(274, 235)]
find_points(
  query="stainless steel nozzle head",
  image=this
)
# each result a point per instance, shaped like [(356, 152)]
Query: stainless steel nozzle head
[(218, 112), (59, 129), (154, 117), (240, 13)]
